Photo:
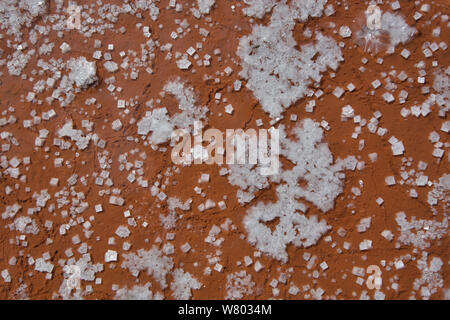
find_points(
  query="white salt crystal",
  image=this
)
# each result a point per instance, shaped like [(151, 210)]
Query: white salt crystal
[(183, 64), (388, 97), (229, 109), (111, 66), (116, 125), (345, 32), (258, 266), (365, 245), (390, 180), (405, 53), (65, 47), (399, 265), (54, 182), (347, 112), (398, 148), (110, 256)]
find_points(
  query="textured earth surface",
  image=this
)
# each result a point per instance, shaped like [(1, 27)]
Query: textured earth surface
[(93, 206)]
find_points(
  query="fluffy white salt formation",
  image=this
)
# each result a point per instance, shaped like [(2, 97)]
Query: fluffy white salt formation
[(315, 177), (182, 284), (153, 261), (399, 31), (204, 6), (161, 124), (82, 72), (292, 228), (276, 72), (137, 293), (258, 8)]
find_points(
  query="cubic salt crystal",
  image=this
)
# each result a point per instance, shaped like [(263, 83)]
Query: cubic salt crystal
[(247, 261), (122, 232), (111, 66), (387, 234), (204, 177), (399, 264), (222, 205), (116, 125), (228, 71), (395, 5), (229, 109), (54, 182), (445, 127), (258, 266), (190, 51), (365, 245), (338, 92), (376, 83), (398, 148), (405, 53), (422, 181), (345, 32), (218, 267), (348, 112), (390, 180), (438, 153), (6, 276), (237, 85), (183, 64), (209, 204), (110, 256), (388, 97), (65, 47), (121, 104), (97, 55), (185, 247), (116, 201), (293, 290)]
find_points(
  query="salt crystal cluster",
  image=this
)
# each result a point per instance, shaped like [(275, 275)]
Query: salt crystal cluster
[(82, 72)]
